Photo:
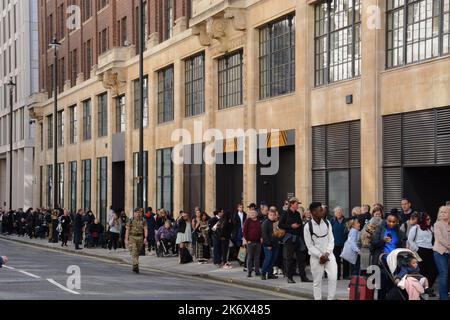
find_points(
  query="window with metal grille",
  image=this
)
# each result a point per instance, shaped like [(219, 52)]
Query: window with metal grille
[(136, 178), (337, 41), (102, 178), (50, 131), (60, 120), (165, 95), (230, 80), (73, 125), (137, 104), (277, 57), (60, 182), (87, 120), (120, 114), (86, 184), (103, 115), (417, 30), (164, 179), (195, 85), (73, 186), (50, 186)]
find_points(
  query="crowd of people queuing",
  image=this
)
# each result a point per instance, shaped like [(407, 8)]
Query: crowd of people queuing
[(267, 242)]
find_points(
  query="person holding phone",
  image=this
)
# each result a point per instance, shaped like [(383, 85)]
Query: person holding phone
[(386, 239)]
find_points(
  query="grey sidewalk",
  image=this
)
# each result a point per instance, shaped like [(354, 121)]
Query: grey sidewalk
[(208, 271)]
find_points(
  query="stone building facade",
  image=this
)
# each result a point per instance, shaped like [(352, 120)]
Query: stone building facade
[(350, 84)]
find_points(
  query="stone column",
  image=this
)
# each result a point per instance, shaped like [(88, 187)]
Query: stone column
[(178, 180), (251, 69), (210, 185), (371, 65)]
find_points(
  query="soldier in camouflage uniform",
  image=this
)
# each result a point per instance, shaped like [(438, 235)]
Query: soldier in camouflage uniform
[(135, 237)]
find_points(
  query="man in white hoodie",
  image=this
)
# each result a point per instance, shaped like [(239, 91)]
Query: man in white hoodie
[(320, 243)]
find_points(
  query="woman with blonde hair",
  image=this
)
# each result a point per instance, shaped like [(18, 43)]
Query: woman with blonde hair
[(441, 249)]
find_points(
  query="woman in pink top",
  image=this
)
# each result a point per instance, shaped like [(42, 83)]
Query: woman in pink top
[(441, 249)]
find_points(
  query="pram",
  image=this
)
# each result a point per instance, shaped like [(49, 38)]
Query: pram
[(391, 264)]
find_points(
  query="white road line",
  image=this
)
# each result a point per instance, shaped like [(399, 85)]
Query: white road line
[(29, 274), (23, 272), (61, 286), (8, 267)]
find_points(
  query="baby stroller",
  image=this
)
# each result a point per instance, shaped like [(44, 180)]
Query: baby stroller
[(391, 264)]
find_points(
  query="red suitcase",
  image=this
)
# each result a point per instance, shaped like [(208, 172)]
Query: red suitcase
[(359, 289)]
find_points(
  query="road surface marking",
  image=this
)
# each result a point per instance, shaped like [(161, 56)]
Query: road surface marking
[(8, 267), (61, 286), (29, 274)]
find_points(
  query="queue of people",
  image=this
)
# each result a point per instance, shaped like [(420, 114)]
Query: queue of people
[(266, 242)]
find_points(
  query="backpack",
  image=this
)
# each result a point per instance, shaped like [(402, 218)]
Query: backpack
[(311, 232)]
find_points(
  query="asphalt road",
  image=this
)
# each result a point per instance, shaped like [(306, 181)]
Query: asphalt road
[(40, 274)]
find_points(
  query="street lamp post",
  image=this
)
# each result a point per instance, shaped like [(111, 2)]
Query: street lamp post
[(11, 86), (140, 186), (55, 45)]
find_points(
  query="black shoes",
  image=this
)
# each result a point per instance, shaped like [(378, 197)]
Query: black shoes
[(263, 277), (249, 275), (290, 280), (258, 274), (305, 279), (272, 277), (136, 269)]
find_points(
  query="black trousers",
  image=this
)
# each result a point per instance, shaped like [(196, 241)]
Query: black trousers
[(342, 264), (224, 246), (64, 236), (113, 240), (217, 249), (77, 238), (289, 250), (427, 266)]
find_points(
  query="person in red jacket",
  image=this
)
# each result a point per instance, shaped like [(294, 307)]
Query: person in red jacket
[(253, 240)]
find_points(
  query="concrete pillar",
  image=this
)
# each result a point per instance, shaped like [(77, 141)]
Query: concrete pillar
[(371, 65), (210, 183), (251, 69), (303, 156), (179, 101)]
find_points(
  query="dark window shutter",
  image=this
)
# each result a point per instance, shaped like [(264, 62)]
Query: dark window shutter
[(419, 138), (392, 140), (319, 147), (443, 136), (319, 186), (338, 146), (355, 144), (392, 187)]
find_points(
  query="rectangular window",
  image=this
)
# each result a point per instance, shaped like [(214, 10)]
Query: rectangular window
[(73, 186), (102, 178), (137, 103), (88, 59), (195, 85), (73, 67), (86, 184), (60, 182), (86, 12), (164, 179), (87, 120), (50, 131), (277, 58), (60, 120), (337, 41), (165, 95), (169, 20), (73, 125), (123, 32), (50, 186), (103, 41), (417, 30), (102, 115), (136, 178), (41, 186), (230, 80), (120, 114)]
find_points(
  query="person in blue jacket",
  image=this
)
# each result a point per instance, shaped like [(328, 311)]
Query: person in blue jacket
[(3, 260)]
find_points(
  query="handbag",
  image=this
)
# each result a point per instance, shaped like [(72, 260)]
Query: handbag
[(242, 254), (277, 231)]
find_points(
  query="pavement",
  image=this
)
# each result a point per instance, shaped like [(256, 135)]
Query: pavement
[(170, 267)]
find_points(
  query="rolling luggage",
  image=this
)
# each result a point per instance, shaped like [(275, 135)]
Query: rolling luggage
[(359, 289)]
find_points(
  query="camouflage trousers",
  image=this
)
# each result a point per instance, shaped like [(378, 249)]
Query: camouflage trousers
[(135, 244)]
